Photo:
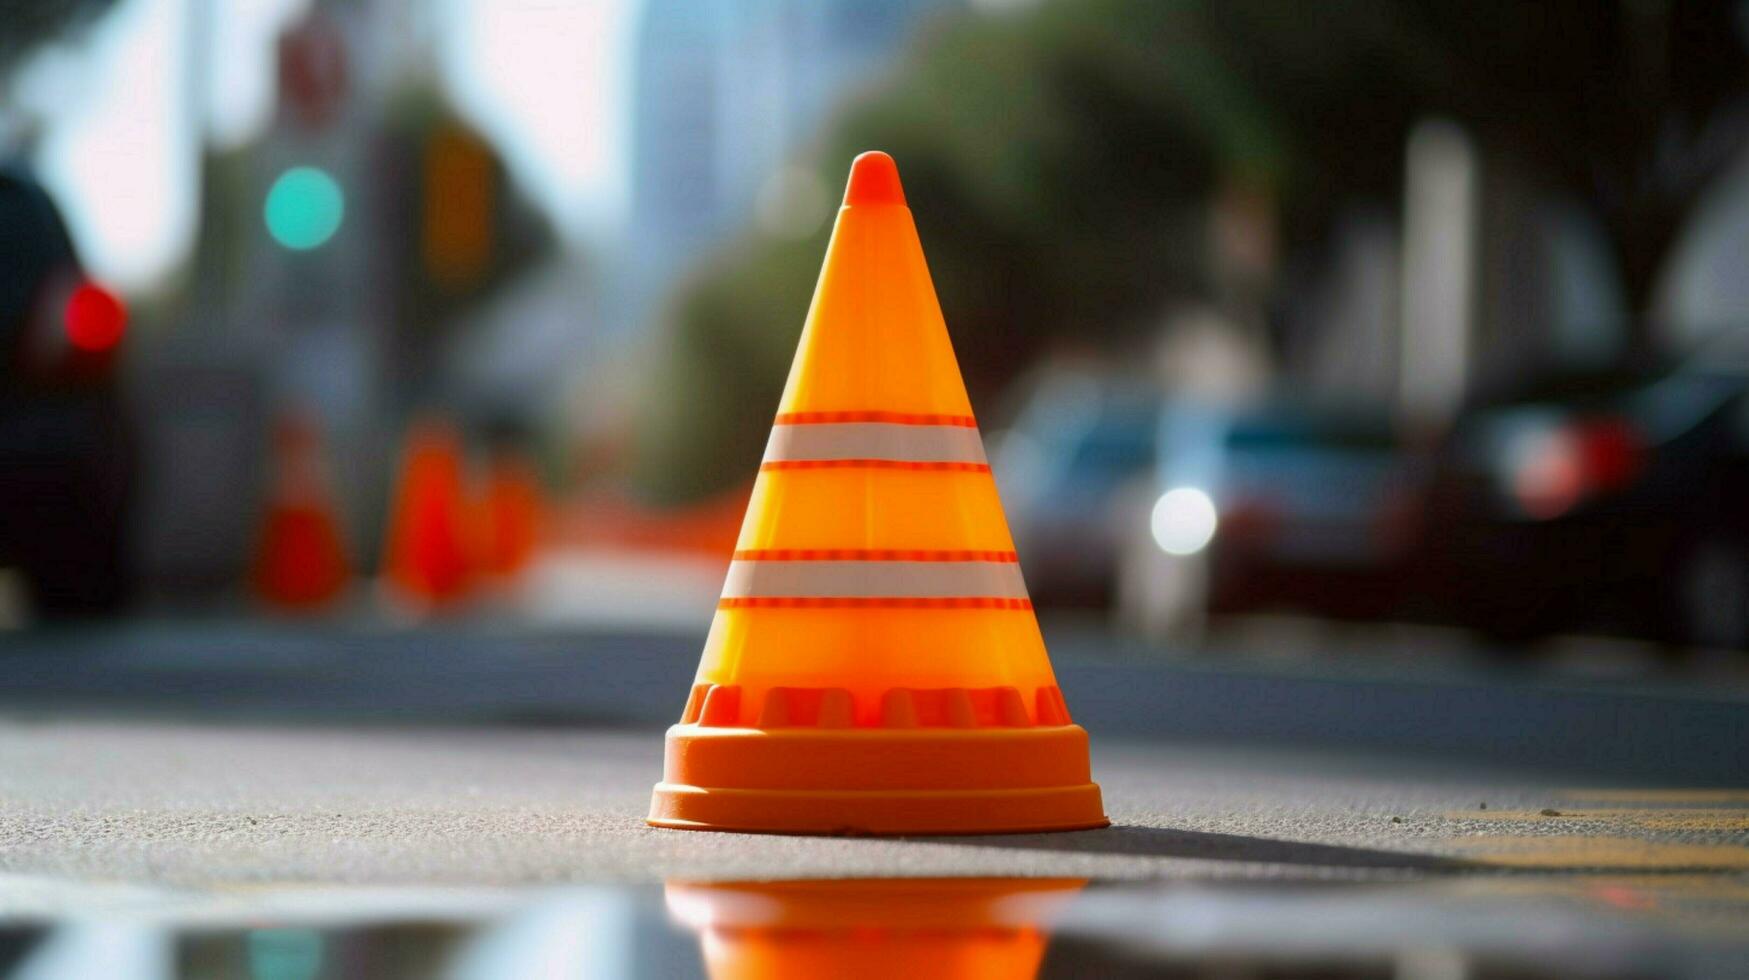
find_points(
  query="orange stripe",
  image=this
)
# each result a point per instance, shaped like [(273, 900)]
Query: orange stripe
[(870, 554), (871, 464), (863, 602), (895, 418)]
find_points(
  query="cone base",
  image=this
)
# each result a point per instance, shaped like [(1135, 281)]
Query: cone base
[(877, 782)]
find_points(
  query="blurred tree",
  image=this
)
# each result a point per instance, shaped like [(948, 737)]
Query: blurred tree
[(1059, 159), (24, 24)]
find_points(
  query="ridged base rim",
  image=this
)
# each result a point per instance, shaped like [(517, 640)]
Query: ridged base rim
[(876, 783)]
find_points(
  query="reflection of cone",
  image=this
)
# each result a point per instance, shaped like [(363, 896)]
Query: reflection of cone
[(987, 929), (300, 562), (429, 560), (874, 665), (510, 514)]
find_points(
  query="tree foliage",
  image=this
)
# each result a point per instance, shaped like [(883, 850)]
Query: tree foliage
[(26, 24), (1057, 160)]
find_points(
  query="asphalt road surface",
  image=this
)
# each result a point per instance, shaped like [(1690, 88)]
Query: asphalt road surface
[(204, 807), (1281, 854), (211, 778)]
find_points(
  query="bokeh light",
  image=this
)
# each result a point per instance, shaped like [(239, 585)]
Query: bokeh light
[(1183, 521), (304, 208)]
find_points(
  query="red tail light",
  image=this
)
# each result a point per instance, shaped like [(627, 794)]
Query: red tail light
[(95, 319), (1556, 469), (1611, 451)]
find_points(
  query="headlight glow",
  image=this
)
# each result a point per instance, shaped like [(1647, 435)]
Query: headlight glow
[(1183, 521)]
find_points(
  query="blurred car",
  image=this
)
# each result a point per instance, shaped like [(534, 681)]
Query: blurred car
[(1608, 501), (65, 456), (1293, 505), (1077, 442)]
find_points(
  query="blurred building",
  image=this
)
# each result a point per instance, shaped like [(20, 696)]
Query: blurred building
[(724, 91)]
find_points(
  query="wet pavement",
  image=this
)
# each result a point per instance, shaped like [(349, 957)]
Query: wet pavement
[(973, 928)]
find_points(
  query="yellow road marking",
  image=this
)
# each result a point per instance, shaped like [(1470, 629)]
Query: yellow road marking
[(1706, 820), (1665, 796)]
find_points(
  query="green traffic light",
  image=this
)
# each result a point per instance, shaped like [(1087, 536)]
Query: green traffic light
[(304, 208)]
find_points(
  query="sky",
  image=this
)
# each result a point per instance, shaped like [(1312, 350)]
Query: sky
[(546, 80), (115, 149), (550, 84)]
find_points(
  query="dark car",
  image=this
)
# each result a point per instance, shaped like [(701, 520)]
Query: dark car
[(1318, 510), (65, 456), (1309, 506), (1613, 502), (1080, 440)]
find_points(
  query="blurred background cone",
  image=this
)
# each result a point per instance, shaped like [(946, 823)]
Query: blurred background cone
[(512, 514), (300, 560), (982, 928), (874, 665), (430, 559)]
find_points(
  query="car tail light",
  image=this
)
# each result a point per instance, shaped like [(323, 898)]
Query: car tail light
[(95, 319), (1612, 452), (1552, 470)]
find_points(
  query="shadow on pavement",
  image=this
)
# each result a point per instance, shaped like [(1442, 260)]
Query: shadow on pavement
[(1209, 846)]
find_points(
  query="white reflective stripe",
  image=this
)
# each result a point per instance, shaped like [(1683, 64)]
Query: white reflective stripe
[(876, 440), (875, 579)]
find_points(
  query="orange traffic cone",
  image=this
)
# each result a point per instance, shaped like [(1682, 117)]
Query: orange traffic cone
[(429, 560), (874, 665), (300, 561), (511, 515), (973, 928)]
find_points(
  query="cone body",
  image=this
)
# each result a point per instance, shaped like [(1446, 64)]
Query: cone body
[(300, 561), (874, 665), (976, 929), (429, 561)]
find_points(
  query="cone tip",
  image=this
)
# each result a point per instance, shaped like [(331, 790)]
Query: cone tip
[(874, 179)]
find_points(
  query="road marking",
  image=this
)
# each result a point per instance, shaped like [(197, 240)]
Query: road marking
[(1665, 796), (1707, 820)]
